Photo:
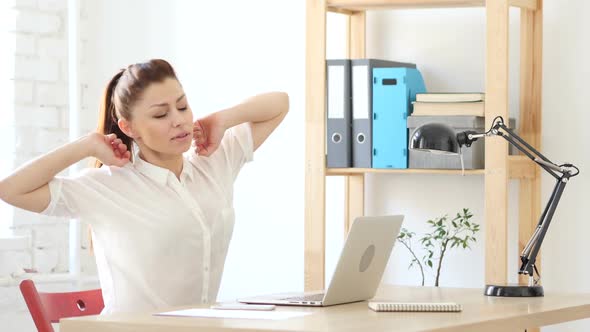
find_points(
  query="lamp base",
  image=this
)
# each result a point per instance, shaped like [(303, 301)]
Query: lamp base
[(514, 290)]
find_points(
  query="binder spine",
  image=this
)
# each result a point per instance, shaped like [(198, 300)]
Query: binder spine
[(363, 106), (338, 122), (362, 145), (389, 119), (394, 90)]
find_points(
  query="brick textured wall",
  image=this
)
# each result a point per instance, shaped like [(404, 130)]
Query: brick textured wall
[(40, 124), (37, 122)]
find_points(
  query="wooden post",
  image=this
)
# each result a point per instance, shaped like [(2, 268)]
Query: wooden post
[(354, 194), (496, 154), (315, 141), (530, 121), (531, 53)]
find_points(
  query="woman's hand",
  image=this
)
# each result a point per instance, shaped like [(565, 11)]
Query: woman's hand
[(110, 150), (207, 134)]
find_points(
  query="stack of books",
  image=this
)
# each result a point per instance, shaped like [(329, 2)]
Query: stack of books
[(433, 104)]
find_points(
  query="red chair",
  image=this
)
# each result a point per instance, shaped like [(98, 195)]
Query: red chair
[(47, 308)]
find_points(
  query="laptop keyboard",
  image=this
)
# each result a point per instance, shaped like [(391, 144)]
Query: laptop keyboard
[(313, 297)]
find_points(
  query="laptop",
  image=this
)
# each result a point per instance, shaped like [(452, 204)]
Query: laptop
[(359, 269)]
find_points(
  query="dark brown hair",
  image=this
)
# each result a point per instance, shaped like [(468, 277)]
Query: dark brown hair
[(123, 90)]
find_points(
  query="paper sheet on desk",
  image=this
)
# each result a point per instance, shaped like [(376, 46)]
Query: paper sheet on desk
[(244, 314)]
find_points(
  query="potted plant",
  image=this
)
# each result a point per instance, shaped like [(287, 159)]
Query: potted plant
[(446, 234)]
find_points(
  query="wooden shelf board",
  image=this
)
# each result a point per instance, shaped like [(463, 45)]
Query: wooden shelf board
[(351, 6), (350, 171), (361, 5), (520, 168)]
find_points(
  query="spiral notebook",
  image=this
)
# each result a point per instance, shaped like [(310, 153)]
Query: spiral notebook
[(416, 306)]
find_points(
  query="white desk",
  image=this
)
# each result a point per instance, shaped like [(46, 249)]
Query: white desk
[(480, 313)]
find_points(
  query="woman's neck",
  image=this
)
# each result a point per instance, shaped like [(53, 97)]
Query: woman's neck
[(173, 163)]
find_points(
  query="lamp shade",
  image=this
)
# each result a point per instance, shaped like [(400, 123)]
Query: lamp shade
[(435, 137)]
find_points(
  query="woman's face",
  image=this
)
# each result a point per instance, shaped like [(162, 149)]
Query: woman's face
[(161, 120)]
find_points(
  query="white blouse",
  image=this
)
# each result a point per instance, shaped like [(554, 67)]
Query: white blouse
[(158, 242)]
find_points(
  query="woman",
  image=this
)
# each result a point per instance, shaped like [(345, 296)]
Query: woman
[(161, 221)]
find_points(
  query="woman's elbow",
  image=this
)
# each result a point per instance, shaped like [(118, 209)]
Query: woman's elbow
[(3, 191), (284, 101)]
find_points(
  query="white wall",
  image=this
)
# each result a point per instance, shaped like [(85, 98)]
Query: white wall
[(566, 138)]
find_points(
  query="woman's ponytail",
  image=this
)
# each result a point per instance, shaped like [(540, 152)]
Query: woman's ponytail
[(107, 118)]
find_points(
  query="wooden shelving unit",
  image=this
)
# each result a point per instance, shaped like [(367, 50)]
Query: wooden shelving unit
[(499, 166)]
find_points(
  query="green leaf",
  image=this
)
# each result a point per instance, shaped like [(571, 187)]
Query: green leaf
[(430, 263), (454, 224)]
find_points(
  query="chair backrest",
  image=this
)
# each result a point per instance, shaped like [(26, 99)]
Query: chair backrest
[(47, 308)]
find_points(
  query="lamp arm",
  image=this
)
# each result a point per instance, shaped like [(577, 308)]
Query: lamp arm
[(529, 254), (526, 148), (468, 137)]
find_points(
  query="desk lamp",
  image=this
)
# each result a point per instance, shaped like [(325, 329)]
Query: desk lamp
[(440, 138)]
